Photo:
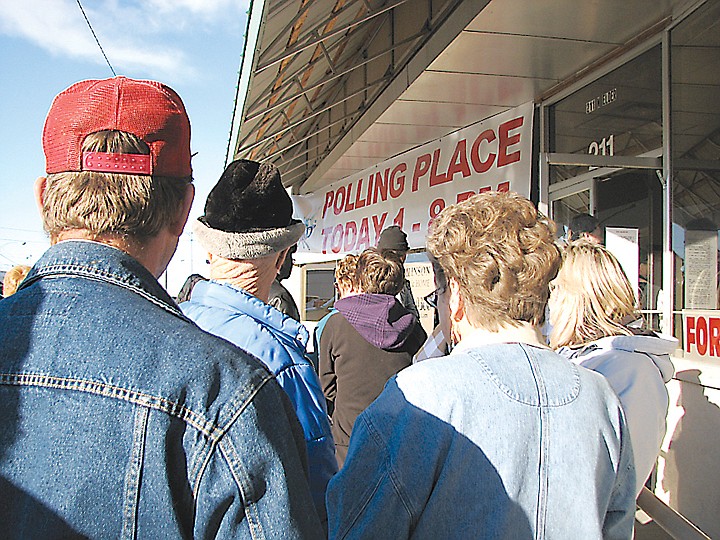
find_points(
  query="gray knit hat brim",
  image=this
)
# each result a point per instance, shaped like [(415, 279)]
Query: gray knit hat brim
[(247, 245)]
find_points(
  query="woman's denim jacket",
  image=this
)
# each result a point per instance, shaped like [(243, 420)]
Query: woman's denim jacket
[(122, 419), (499, 441)]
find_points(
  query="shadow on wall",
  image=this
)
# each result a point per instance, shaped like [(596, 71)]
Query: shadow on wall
[(692, 470)]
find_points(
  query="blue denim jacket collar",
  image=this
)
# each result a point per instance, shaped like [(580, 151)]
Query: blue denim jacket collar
[(102, 262)]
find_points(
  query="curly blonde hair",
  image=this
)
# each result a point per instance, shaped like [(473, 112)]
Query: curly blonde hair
[(590, 296), (13, 278), (345, 273), (502, 254)]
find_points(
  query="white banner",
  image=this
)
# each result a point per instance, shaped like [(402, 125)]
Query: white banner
[(701, 334), (411, 189)]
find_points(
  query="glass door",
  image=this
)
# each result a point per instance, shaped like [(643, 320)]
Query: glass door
[(628, 203)]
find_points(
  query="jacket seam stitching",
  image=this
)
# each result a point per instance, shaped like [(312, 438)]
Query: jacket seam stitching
[(81, 271), (541, 515), (134, 474), (107, 390), (245, 400), (227, 449), (391, 472)]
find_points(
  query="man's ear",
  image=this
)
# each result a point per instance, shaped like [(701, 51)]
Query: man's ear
[(184, 211), (39, 190), (281, 259)]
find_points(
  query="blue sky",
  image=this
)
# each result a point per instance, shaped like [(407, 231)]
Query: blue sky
[(194, 46)]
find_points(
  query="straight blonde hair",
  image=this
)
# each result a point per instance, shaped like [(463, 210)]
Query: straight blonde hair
[(590, 297), (136, 207)]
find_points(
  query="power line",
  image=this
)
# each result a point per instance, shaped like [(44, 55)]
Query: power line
[(38, 231), (96, 38)]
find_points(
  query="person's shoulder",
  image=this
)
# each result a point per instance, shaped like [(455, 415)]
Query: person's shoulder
[(431, 377), (334, 320)]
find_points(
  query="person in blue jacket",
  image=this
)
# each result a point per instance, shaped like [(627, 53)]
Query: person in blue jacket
[(247, 230)]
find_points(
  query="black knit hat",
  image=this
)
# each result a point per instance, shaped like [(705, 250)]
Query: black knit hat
[(393, 238), (248, 213)]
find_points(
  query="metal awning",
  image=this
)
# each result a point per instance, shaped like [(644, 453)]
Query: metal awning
[(335, 86)]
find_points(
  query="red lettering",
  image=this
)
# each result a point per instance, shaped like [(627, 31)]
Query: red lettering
[(689, 333), (701, 333), (465, 195), (504, 187), (399, 218), (325, 235), (714, 336), (339, 200), (436, 178), (397, 181), (336, 242), (350, 236), (422, 166), (479, 165), (507, 140), (359, 203), (348, 200), (485, 189), (458, 161), (364, 235), (381, 186), (437, 206), (369, 191), (329, 196), (378, 226)]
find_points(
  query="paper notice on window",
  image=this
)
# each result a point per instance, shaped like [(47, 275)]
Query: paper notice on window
[(421, 278), (701, 252), (623, 243)]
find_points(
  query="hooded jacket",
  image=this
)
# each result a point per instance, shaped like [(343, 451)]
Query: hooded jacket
[(637, 368), (370, 339)]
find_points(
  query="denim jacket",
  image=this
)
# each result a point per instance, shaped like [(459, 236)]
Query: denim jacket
[(279, 341), (500, 441), (122, 419)]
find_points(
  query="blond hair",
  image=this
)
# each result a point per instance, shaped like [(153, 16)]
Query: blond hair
[(13, 278), (590, 296), (132, 206), (501, 252), (345, 276)]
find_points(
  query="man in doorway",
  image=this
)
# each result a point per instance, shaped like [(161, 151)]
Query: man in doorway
[(394, 239), (121, 418), (280, 298), (587, 227)]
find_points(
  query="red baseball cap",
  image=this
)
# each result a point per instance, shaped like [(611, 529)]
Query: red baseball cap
[(149, 110)]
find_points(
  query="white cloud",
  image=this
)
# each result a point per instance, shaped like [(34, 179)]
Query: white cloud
[(207, 8), (134, 35)]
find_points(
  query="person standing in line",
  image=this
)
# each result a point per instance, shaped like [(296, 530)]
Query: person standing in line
[(248, 231), (121, 418), (280, 298), (502, 438), (369, 339), (188, 286), (345, 285), (591, 307), (394, 239), (13, 278), (586, 227)]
